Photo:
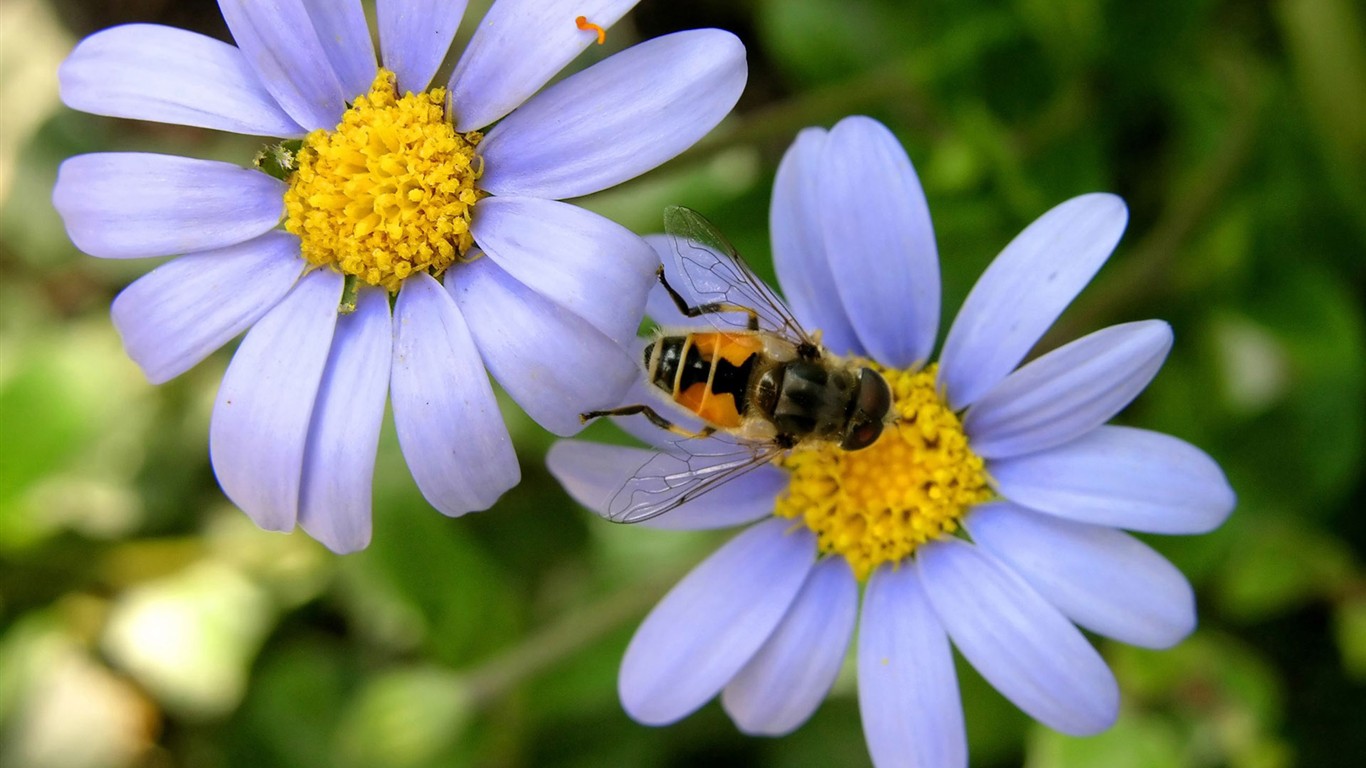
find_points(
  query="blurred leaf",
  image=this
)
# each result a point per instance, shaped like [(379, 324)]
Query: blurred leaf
[(954, 166), (707, 185), (404, 718), (1136, 741), (833, 736), (828, 40), (995, 726), (1311, 447), (293, 707), (424, 561), (190, 637), (586, 684), (1148, 42), (1200, 558), (1069, 30), (632, 554), (1276, 565), (81, 408), (28, 222), (1350, 624), (1225, 700), (32, 44), (53, 426), (1257, 370), (24, 647), (72, 711), (293, 567), (1326, 41)]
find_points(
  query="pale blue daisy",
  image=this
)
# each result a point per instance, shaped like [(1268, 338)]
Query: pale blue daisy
[(987, 518), (389, 188)]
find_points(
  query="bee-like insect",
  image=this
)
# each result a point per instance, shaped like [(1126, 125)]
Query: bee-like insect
[(757, 380)]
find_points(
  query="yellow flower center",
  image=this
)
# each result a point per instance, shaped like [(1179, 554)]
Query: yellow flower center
[(913, 485), (388, 193)]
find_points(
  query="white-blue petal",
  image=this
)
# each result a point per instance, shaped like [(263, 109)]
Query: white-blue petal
[(1124, 477), (593, 473), (617, 119), (1103, 579), (124, 205), (517, 48), (880, 242), (795, 219), (907, 687), (1020, 643), (168, 75), (177, 314), (551, 361), (265, 403), (414, 36), (1069, 391), (593, 267), (345, 37), (789, 677), (280, 41), (712, 622), (448, 422), (1024, 290), (339, 462)]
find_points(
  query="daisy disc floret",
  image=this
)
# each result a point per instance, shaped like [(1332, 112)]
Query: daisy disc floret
[(990, 516), (388, 193), (394, 246)]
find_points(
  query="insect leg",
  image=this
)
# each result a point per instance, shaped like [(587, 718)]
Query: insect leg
[(652, 415), (706, 309)]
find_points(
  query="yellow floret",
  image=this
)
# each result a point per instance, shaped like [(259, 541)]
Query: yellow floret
[(388, 193)]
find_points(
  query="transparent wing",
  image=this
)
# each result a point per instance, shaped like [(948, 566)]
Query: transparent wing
[(689, 470), (717, 275)]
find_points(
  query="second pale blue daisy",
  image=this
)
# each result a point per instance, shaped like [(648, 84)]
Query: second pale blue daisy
[(989, 517), (386, 189)]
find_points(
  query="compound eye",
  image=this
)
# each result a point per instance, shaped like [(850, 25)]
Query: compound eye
[(861, 436), (870, 408), (874, 396)]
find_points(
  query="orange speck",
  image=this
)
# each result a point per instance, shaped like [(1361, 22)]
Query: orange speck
[(583, 23)]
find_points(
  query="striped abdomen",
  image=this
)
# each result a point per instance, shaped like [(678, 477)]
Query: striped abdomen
[(707, 373)]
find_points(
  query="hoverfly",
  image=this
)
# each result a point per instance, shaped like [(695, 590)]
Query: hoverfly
[(759, 383)]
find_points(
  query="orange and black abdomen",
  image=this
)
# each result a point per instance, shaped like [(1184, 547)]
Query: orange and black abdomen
[(707, 373)]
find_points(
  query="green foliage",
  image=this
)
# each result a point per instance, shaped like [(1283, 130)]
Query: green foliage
[(1234, 130)]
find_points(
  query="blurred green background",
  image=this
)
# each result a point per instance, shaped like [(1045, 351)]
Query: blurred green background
[(145, 622)]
